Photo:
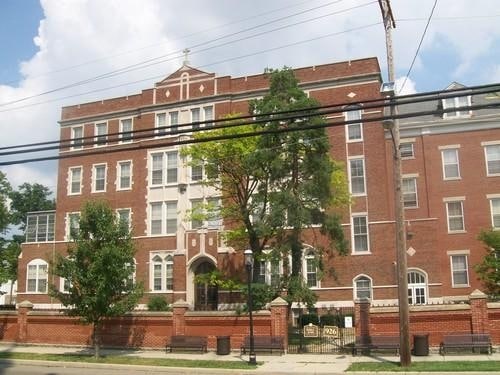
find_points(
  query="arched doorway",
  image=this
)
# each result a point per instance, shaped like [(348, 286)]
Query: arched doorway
[(205, 295)]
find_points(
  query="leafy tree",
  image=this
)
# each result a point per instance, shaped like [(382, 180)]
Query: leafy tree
[(275, 185), (489, 269), (158, 303), (29, 197), (5, 190), (98, 270), (8, 263)]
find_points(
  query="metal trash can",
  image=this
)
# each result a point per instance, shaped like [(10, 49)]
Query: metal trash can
[(421, 344), (223, 345)]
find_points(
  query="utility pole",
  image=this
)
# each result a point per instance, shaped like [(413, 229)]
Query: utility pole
[(402, 267)]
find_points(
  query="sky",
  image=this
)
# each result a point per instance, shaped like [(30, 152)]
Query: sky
[(49, 48)]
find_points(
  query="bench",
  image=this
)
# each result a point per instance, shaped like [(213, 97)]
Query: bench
[(264, 343), (187, 342), (367, 343), (481, 341)]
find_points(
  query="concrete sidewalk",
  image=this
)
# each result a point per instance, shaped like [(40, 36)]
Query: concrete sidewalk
[(271, 364)]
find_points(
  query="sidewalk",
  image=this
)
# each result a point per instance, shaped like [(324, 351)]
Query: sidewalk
[(272, 364)]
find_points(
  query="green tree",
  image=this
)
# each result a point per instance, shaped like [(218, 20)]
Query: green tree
[(28, 198), (276, 185), (98, 270), (9, 255), (5, 190), (489, 269)]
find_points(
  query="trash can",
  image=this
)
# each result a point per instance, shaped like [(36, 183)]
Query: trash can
[(223, 345), (421, 344)]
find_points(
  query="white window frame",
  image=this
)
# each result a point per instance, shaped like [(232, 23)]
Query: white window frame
[(495, 210), (456, 163), (309, 258), (352, 114), (158, 217), (77, 144), (487, 146), (206, 118), (356, 289), (448, 202), (353, 234), (413, 288), (166, 264), (196, 205), (70, 180), (68, 226), (352, 160), (409, 154), (100, 139), (165, 168), (94, 177), (35, 232), (38, 264), (119, 211), (128, 138), (169, 222), (413, 192), (158, 124), (119, 175), (456, 104), (173, 126), (465, 255)]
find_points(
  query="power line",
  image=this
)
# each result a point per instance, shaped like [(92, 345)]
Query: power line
[(156, 60), (179, 142), (419, 45), (260, 118)]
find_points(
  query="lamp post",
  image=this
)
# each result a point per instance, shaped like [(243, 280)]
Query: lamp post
[(252, 360)]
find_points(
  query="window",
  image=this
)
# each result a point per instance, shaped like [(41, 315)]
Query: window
[(76, 137), (171, 209), (174, 121), (357, 176), (157, 212), (37, 276), (157, 169), (195, 117), (409, 190), (208, 114), (171, 167), (40, 227), (156, 218), (196, 172), (459, 271), (72, 225), (462, 101), (455, 214), (162, 272), (310, 269), (196, 213), (213, 213), (406, 149), (101, 130), (417, 287), (126, 128), (124, 175), (158, 161), (451, 170), (354, 131), (492, 160), (161, 123), (363, 287), (75, 180), (99, 178), (495, 212), (360, 234), (124, 216)]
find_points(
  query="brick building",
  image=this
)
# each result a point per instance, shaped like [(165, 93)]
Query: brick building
[(451, 189)]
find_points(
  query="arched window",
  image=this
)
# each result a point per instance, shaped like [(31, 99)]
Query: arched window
[(37, 276), (162, 270), (310, 268), (417, 288), (362, 287)]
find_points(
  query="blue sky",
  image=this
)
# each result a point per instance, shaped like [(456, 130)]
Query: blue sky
[(48, 44)]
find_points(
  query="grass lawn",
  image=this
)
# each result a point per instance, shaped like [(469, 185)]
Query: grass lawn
[(130, 360), (448, 366)]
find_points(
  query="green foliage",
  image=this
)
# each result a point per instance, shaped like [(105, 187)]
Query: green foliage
[(158, 303), (262, 294), (218, 279), (29, 197), (489, 269), (309, 318), (8, 262), (299, 292), (5, 190), (99, 268)]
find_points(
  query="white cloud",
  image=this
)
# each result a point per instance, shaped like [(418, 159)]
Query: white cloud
[(407, 89)]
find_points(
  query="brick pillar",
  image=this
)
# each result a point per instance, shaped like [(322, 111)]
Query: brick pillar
[(279, 319), (362, 316), (179, 322), (23, 309), (479, 312)]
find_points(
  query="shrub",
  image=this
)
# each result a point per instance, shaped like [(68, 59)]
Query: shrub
[(158, 303)]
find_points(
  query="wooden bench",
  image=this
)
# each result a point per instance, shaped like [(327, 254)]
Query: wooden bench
[(367, 343), (471, 341), (264, 343), (187, 342)]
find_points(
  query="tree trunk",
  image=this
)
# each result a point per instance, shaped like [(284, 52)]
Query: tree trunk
[(96, 340)]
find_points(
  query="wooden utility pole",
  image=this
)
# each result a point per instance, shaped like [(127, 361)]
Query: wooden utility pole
[(402, 268)]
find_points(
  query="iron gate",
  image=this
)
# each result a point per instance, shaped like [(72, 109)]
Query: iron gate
[(333, 332)]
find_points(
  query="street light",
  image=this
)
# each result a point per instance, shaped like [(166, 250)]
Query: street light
[(252, 360)]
